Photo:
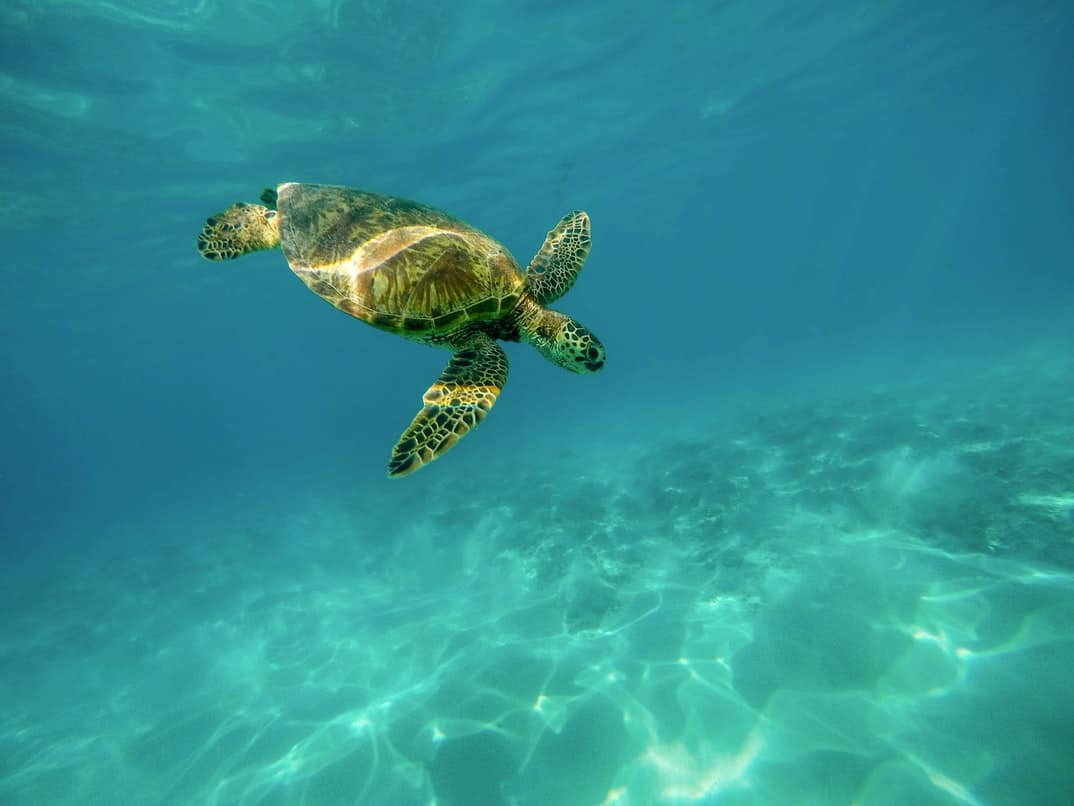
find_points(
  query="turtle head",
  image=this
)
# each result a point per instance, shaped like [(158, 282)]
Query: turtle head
[(577, 349), (240, 229), (564, 341)]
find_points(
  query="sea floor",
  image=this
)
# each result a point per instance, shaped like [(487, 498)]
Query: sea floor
[(865, 596)]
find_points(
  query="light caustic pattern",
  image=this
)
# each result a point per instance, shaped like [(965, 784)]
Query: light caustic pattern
[(860, 600)]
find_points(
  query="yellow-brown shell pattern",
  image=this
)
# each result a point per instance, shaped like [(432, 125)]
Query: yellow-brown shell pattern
[(396, 264)]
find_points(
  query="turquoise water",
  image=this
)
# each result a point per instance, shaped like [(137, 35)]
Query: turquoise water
[(807, 539)]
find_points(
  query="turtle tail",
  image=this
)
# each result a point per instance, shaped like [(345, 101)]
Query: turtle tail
[(240, 229)]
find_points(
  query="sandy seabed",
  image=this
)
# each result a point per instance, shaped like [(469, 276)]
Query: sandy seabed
[(866, 597)]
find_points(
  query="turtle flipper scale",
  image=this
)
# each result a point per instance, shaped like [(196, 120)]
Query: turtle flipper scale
[(559, 261), (458, 400)]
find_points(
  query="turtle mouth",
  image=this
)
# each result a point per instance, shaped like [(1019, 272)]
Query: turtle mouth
[(594, 366)]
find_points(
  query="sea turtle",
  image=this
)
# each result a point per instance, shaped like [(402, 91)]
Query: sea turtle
[(417, 272)]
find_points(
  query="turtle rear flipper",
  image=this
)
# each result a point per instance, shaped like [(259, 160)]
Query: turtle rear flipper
[(559, 261), (458, 401), (241, 228)]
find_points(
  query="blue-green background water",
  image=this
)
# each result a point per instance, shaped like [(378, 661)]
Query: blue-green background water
[(807, 539)]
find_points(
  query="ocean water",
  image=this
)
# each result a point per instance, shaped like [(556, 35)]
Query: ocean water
[(808, 538)]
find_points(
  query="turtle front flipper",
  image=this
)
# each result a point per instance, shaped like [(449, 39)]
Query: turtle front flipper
[(458, 401), (240, 229), (559, 261)]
